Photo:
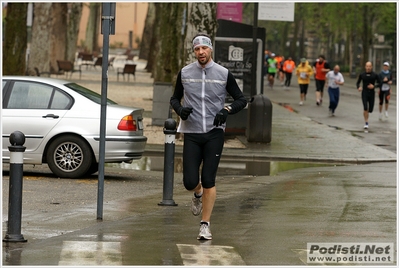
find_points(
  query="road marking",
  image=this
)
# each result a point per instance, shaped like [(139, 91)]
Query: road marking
[(90, 253), (206, 254)]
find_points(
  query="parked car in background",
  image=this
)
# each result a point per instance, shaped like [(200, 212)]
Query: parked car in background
[(61, 123)]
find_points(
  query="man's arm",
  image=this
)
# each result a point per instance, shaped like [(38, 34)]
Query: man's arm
[(177, 94), (232, 88), (359, 79)]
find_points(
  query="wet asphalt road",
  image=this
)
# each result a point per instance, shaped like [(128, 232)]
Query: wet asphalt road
[(264, 220)]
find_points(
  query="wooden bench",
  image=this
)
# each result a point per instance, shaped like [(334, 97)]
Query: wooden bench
[(67, 66), (52, 71), (99, 62), (87, 59), (128, 69)]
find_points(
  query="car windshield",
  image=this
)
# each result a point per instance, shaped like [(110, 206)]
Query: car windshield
[(88, 93)]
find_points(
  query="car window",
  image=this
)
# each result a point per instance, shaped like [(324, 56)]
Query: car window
[(94, 96), (26, 95), (60, 101), (4, 91)]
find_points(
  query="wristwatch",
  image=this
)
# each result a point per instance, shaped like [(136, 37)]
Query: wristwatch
[(228, 108)]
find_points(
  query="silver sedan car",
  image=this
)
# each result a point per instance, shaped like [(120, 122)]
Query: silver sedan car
[(61, 123)]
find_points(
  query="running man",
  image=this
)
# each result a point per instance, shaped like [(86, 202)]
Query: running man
[(334, 79), (271, 69), (385, 90), (369, 80), (320, 68), (203, 86)]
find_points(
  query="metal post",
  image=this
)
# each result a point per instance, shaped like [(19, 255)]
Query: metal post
[(169, 157), (108, 21), (254, 89), (17, 139)]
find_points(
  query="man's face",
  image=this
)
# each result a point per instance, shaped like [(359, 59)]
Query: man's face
[(336, 69), (369, 67), (203, 54), (386, 67), (321, 59)]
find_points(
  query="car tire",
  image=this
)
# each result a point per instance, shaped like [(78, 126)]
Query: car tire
[(69, 156), (93, 168)]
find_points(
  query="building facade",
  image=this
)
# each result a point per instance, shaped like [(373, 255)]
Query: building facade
[(129, 22)]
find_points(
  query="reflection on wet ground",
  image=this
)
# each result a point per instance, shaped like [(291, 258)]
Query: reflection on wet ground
[(226, 167)]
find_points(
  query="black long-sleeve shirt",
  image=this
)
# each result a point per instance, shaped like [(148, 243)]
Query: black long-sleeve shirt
[(368, 78)]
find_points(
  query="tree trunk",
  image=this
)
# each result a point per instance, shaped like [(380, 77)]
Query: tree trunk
[(147, 32), (14, 54), (40, 46), (293, 47), (74, 15), (58, 35), (91, 43), (167, 65), (366, 35), (284, 39), (154, 47), (201, 17)]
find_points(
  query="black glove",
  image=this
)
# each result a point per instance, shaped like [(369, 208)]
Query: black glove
[(184, 112), (220, 117)]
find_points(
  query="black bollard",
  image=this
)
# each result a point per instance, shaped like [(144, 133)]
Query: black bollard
[(17, 139), (169, 160)]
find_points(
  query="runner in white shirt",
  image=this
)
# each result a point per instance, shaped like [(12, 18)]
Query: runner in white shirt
[(335, 79)]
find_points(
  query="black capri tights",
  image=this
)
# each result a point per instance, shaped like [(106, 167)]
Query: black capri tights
[(368, 98), (205, 148)]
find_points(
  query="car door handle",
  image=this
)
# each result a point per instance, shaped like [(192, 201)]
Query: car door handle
[(51, 115)]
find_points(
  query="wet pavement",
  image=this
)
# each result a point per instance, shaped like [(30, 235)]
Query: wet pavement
[(264, 220)]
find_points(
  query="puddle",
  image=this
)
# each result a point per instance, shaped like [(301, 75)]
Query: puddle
[(226, 167)]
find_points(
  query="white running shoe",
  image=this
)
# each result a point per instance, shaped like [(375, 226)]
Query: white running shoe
[(380, 117), (196, 206), (205, 232), (301, 103), (366, 126), (386, 114)]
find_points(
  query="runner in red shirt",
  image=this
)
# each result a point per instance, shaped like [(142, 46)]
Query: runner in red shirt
[(320, 68)]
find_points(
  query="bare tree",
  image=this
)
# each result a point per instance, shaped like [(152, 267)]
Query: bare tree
[(53, 39), (201, 17), (154, 46), (15, 39), (168, 59), (170, 45), (91, 43), (58, 35), (40, 46), (73, 22), (147, 32)]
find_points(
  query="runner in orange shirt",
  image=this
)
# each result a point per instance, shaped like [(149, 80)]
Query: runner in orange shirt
[(288, 68)]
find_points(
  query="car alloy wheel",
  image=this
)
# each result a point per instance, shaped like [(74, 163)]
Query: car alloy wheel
[(69, 156)]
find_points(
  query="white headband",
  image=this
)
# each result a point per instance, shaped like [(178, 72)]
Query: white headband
[(202, 41)]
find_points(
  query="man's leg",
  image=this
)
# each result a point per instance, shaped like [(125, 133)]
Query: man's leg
[(192, 158), (366, 108), (271, 80), (208, 202), (387, 97), (212, 154), (366, 116)]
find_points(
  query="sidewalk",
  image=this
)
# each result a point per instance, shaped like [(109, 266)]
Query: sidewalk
[(293, 134)]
